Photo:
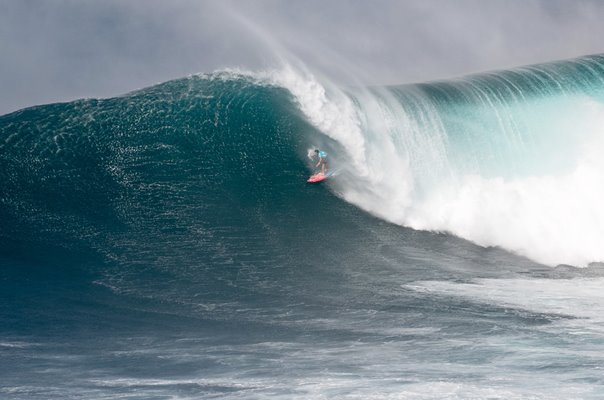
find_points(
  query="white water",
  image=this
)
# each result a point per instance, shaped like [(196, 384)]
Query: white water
[(525, 177), (579, 302)]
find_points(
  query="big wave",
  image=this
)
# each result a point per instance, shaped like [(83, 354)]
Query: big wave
[(507, 158)]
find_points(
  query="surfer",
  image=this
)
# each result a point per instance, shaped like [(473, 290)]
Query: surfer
[(322, 160)]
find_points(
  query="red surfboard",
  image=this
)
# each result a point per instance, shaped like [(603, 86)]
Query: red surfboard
[(320, 177)]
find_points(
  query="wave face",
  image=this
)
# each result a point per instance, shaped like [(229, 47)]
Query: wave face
[(509, 158), (169, 164), (165, 243)]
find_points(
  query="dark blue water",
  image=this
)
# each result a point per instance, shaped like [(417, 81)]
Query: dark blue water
[(165, 245)]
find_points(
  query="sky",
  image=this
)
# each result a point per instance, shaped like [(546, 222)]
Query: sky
[(60, 50)]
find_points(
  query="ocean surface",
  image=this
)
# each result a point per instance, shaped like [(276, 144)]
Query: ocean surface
[(164, 244)]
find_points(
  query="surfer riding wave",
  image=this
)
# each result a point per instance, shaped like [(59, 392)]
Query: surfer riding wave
[(322, 162)]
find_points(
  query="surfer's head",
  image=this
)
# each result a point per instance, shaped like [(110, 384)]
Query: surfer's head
[(317, 151)]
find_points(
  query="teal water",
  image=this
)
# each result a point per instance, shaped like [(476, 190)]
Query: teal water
[(165, 245)]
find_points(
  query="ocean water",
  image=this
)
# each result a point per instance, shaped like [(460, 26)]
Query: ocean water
[(164, 244)]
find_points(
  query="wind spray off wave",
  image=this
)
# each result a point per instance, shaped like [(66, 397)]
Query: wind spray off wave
[(509, 159)]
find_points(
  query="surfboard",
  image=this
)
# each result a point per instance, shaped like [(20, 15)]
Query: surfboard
[(320, 177)]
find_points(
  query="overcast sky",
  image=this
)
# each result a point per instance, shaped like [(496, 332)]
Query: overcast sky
[(58, 50)]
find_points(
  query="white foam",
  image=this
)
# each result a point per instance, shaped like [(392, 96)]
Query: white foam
[(403, 174), (492, 391), (553, 219), (401, 170), (351, 386), (579, 298), (17, 345)]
